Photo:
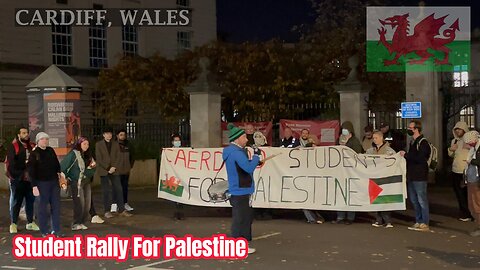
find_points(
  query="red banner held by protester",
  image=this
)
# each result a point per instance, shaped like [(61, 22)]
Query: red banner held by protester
[(264, 127), (324, 133)]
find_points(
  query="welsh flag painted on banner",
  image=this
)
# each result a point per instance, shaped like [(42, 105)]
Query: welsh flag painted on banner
[(418, 39), (171, 185)]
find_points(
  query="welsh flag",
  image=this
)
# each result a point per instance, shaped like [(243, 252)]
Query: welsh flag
[(385, 190), (171, 185), (418, 39)]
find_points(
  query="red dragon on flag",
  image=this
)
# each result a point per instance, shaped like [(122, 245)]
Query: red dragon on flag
[(423, 39)]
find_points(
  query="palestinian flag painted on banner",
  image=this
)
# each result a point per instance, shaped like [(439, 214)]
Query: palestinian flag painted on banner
[(418, 39), (171, 186), (385, 190)]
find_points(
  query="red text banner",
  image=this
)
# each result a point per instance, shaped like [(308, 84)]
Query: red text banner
[(323, 178)]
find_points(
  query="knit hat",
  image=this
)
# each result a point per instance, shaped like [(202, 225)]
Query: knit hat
[(470, 137), (40, 136), (234, 132)]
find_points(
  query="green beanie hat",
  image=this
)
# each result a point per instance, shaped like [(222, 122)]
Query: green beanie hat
[(234, 132)]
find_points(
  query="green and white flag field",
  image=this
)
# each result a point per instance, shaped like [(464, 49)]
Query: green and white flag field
[(418, 39)]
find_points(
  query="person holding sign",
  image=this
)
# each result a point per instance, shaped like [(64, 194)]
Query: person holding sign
[(178, 214), (240, 182), (348, 139), (313, 217), (288, 140), (417, 175), (383, 218)]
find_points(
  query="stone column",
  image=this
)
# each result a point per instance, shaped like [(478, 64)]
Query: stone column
[(353, 99), (424, 87), (205, 109)]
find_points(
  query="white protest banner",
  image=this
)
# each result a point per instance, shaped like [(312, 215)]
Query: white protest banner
[(323, 178)]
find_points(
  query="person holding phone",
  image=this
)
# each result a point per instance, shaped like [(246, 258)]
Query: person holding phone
[(78, 167)]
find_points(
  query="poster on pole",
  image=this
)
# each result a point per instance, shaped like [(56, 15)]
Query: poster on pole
[(62, 120)]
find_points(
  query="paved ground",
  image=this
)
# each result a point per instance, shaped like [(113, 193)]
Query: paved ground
[(286, 242)]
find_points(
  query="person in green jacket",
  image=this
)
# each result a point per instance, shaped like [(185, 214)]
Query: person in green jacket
[(78, 166)]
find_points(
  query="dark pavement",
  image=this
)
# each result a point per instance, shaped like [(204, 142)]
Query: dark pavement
[(285, 242)]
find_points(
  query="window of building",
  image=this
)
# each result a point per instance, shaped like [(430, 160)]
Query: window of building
[(460, 76), (131, 129), (98, 122), (62, 45), (184, 40), (183, 3), (371, 119), (401, 123), (98, 46), (467, 115), (130, 40), (130, 114)]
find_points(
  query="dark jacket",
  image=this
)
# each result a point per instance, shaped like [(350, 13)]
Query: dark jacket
[(125, 158), (395, 139), (70, 168), (291, 142), (107, 160), (43, 165), (353, 142), (476, 161), (16, 163), (417, 158)]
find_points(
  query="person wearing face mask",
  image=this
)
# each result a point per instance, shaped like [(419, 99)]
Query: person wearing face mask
[(348, 139), (417, 175), (176, 141), (178, 214), (44, 172), (472, 177), (367, 141)]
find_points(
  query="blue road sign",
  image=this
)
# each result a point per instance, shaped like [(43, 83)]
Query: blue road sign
[(411, 110)]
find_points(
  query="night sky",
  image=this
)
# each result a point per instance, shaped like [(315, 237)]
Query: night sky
[(260, 20)]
